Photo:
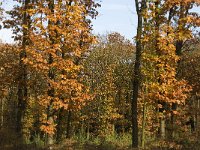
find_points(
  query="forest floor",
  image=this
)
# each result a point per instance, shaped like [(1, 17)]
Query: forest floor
[(72, 145), (10, 141), (67, 145)]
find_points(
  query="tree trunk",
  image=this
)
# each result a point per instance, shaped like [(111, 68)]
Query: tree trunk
[(2, 112), (50, 136), (136, 78), (88, 131), (60, 125), (51, 76), (162, 127), (68, 135), (22, 79), (143, 124)]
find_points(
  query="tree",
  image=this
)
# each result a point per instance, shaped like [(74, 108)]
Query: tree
[(20, 22), (59, 34), (22, 85), (159, 65), (1, 14), (140, 6), (108, 73), (66, 37), (189, 69)]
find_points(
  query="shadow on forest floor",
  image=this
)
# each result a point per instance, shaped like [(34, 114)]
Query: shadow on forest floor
[(71, 145), (10, 141), (67, 145)]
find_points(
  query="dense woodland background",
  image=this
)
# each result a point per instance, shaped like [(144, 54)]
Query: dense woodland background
[(61, 87)]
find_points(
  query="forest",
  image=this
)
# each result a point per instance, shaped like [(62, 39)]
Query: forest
[(64, 88)]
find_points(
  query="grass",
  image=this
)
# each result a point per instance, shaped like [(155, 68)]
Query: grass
[(9, 141), (108, 142)]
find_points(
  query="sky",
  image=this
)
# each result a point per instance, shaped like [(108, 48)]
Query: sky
[(114, 16)]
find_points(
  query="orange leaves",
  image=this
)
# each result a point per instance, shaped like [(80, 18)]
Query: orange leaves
[(162, 89), (169, 91), (59, 36), (58, 104), (48, 127)]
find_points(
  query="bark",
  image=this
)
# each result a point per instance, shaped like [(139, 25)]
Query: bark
[(68, 135), (50, 136), (51, 76), (88, 131), (136, 78), (60, 125), (162, 128), (22, 79), (2, 113), (179, 45), (143, 124)]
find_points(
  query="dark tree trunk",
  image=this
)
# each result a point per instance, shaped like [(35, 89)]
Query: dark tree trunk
[(60, 125), (22, 79), (179, 45), (68, 135), (136, 78)]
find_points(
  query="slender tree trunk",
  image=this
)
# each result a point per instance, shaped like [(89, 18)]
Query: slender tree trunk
[(197, 115), (60, 125), (136, 78), (88, 131), (144, 115), (22, 83), (162, 127), (2, 112), (68, 125), (143, 124), (51, 76)]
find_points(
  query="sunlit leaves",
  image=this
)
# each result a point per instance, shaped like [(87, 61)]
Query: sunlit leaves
[(109, 69), (165, 23)]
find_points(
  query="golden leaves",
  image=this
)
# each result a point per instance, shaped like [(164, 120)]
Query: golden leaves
[(58, 38)]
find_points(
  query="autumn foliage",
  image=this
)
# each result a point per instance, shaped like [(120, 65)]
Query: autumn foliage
[(58, 81)]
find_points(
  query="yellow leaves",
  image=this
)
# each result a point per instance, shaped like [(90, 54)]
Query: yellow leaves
[(25, 26), (145, 39), (79, 87), (169, 91), (44, 101), (48, 125), (183, 35), (59, 34), (58, 104), (31, 12), (159, 69)]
